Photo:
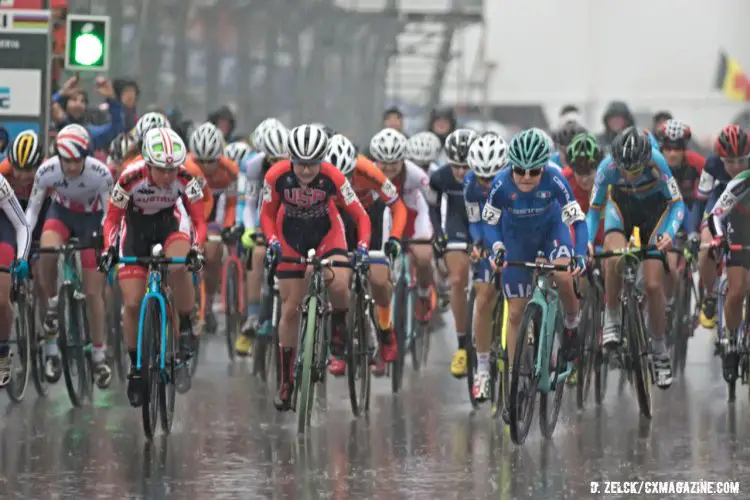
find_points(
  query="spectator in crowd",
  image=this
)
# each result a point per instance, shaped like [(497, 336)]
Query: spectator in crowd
[(393, 118), (225, 121), (69, 106), (616, 118), (569, 113), (659, 118), (4, 139), (183, 127), (442, 122), (128, 92)]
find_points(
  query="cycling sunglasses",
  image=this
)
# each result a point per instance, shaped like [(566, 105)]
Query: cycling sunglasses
[(533, 172)]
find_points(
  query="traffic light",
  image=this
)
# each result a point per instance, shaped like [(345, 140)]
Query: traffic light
[(87, 43)]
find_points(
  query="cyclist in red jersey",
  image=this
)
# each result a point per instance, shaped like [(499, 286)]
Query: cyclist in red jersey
[(299, 213), (583, 154)]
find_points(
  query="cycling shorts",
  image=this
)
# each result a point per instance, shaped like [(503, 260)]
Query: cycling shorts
[(326, 235), (457, 231), (82, 225), (139, 232), (214, 225), (738, 233), (417, 227), (379, 235), (624, 212), (484, 274), (552, 239)]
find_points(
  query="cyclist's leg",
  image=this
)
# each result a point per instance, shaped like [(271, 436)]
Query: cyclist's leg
[(334, 246), (212, 269), (617, 226), (516, 281), (7, 255), (707, 271), (737, 265), (418, 227), (559, 251), (484, 303), (380, 285)]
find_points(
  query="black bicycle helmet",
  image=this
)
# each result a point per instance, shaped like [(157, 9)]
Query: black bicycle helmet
[(567, 131), (631, 148), (457, 145)]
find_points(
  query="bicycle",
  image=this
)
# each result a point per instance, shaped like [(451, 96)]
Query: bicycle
[(590, 353), (734, 348), (38, 346), (361, 343), (410, 332), (538, 356), (157, 340), (633, 353), (233, 289), (499, 359), (22, 332), (73, 336), (116, 346), (314, 335), (684, 317)]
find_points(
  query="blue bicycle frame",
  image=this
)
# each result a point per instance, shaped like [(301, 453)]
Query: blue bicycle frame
[(153, 291)]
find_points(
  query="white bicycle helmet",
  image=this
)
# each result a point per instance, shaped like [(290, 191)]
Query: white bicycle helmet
[(307, 143), (148, 122), (342, 154), (388, 146), (260, 129), (423, 148), (488, 155), (72, 142), (207, 142), (238, 151), (163, 148), (274, 141)]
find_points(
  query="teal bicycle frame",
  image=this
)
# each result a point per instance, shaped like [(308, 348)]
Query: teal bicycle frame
[(403, 271)]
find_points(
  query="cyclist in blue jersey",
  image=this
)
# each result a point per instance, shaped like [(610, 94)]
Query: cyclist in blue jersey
[(448, 215), (732, 149), (643, 194), (563, 137), (537, 206), (487, 157)]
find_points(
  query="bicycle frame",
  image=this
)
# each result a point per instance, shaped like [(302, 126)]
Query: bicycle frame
[(154, 291), (402, 268)]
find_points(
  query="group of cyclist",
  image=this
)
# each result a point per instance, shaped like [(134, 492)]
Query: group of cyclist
[(288, 191)]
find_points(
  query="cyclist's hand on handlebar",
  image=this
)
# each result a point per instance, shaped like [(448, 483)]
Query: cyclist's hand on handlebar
[(194, 260), (248, 238), (273, 252), (392, 248), (439, 244), (577, 265), (719, 245), (476, 251), (498, 256), (20, 270), (107, 259), (664, 242), (362, 256)]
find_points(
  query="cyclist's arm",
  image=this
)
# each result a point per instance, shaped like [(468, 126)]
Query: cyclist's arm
[(192, 198), (350, 201), (734, 192), (105, 188), (671, 191), (474, 213), (271, 202), (36, 200), (492, 214), (15, 215), (254, 185), (572, 213), (437, 201), (118, 203), (598, 199)]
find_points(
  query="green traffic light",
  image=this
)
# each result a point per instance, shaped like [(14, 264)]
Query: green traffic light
[(88, 48)]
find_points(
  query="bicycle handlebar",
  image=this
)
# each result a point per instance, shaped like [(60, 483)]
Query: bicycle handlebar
[(637, 252), (539, 266)]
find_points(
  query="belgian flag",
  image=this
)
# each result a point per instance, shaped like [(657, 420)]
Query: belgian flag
[(731, 80)]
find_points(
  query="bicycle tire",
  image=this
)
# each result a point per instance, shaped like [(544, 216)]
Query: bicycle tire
[(120, 356), (471, 351), (71, 349), (273, 358), (231, 306), (321, 352), (19, 383), (39, 356), (88, 361), (167, 388), (639, 359), (200, 316), (520, 423), (548, 420), (499, 367), (416, 341), (150, 366), (679, 339), (358, 356), (588, 330), (307, 343), (601, 362), (399, 305)]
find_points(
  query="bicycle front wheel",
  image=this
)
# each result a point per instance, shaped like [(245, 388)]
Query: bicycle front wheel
[(523, 381), (21, 359), (589, 330), (167, 388), (471, 352), (232, 305), (399, 305), (307, 344), (120, 357), (71, 342), (150, 347), (38, 354), (548, 416), (358, 356), (640, 371)]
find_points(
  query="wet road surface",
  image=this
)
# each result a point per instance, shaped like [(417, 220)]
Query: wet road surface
[(229, 442)]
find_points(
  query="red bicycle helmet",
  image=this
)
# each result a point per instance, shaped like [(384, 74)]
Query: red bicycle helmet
[(732, 142)]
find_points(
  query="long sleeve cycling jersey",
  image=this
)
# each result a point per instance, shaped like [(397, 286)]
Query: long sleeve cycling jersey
[(736, 196), (475, 196), (14, 213), (87, 193), (313, 203), (656, 180), (449, 213), (525, 212)]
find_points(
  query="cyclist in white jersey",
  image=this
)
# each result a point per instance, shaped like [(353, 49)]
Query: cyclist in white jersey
[(79, 185), (388, 148), (424, 149), (272, 143), (15, 241)]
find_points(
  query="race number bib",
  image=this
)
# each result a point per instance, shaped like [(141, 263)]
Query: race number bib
[(571, 213), (119, 197), (491, 215)]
